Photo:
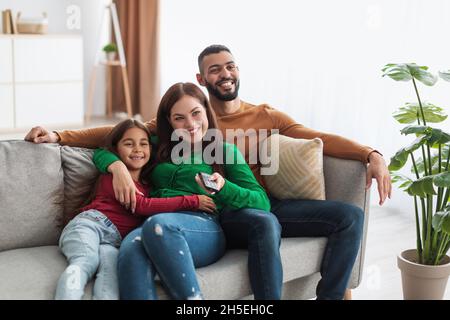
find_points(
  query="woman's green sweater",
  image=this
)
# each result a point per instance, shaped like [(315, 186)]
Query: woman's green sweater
[(168, 179)]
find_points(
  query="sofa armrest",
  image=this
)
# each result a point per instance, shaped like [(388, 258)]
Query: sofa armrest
[(345, 181)]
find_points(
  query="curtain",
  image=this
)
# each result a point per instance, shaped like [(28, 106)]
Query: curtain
[(139, 25)]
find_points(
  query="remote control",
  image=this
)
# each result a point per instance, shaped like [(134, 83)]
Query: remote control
[(210, 185)]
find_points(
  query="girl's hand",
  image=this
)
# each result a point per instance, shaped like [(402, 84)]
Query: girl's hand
[(206, 204), (216, 177), (123, 185)]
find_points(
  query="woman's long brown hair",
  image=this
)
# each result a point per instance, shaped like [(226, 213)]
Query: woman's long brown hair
[(87, 190), (164, 129)]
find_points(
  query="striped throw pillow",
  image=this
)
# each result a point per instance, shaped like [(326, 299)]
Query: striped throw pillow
[(300, 168)]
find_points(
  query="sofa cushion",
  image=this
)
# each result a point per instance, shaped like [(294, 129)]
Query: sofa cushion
[(33, 273), (228, 277), (300, 168), (80, 174), (31, 179), (77, 164)]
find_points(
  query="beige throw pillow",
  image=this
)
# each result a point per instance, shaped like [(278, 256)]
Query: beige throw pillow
[(300, 168)]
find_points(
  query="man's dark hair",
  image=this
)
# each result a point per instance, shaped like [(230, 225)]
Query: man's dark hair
[(215, 48)]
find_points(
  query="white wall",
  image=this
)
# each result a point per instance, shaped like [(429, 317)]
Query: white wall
[(318, 60), (58, 16)]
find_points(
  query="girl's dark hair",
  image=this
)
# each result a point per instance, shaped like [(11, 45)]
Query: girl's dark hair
[(87, 190), (164, 129)]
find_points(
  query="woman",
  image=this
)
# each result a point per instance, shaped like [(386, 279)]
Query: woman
[(174, 244)]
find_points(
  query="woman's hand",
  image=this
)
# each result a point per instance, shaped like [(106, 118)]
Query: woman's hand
[(215, 177), (123, 185), (206, 204)]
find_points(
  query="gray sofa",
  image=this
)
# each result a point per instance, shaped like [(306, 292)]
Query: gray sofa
[(34, 179)]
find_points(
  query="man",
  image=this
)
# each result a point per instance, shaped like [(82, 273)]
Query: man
[(341, 223)]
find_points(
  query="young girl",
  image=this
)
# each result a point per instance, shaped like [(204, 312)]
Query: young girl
[(90, 241)]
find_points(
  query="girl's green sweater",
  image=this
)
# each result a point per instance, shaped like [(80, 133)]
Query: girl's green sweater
[(169, 179)]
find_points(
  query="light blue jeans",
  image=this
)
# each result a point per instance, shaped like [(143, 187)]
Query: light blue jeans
[(90, 243), (172, 245)]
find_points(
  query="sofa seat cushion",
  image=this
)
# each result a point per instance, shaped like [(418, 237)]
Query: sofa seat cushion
[(228, 277), (32, 273)]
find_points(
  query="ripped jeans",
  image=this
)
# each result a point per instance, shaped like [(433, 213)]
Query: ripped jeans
[(172, 245)]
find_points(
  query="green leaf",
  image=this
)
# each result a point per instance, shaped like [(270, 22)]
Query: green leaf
[(410, 112), (437, 137), (442, 180), (422, 187), (445, 225), (438, 220), (401, 157), (407, 71), (421, 74), (445, 75), (398, 72), (404, 181), (433, 136), (421, 168), (416, 144), (398, 160), (434, 163), (415, 129)]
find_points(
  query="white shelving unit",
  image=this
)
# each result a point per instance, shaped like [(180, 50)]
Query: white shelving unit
[(41, 80)]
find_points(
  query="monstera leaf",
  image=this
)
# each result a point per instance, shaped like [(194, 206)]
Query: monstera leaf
[(405, 182), (422, 187), (415, 129), (408, 71), (425, 185), (434, 161), (441, 221), (410, 112), (445, 75), (401, 157)]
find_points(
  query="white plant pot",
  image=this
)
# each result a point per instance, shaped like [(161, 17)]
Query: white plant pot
[(422, 282), (111, 56)]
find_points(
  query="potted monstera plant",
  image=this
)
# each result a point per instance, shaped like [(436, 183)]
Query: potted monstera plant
[(426, 268)]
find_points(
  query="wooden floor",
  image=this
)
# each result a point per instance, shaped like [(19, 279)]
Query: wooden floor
[(389, 233)]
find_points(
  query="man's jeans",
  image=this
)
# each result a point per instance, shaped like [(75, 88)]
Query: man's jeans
[(260, 233), (90, 243), (341, 223), (172, 245)]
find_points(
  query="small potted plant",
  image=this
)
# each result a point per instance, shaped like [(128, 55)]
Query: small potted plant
[(425, 270), (110, 49)]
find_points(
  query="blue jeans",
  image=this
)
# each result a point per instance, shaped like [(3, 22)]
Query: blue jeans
[(340, 222), (90, 243), (260, 233), (172, 245)]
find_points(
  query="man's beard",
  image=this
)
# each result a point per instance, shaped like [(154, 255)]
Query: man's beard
[(223, 97)]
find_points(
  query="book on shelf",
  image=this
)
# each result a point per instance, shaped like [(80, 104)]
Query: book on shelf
[(6, 21), (13, 23)]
